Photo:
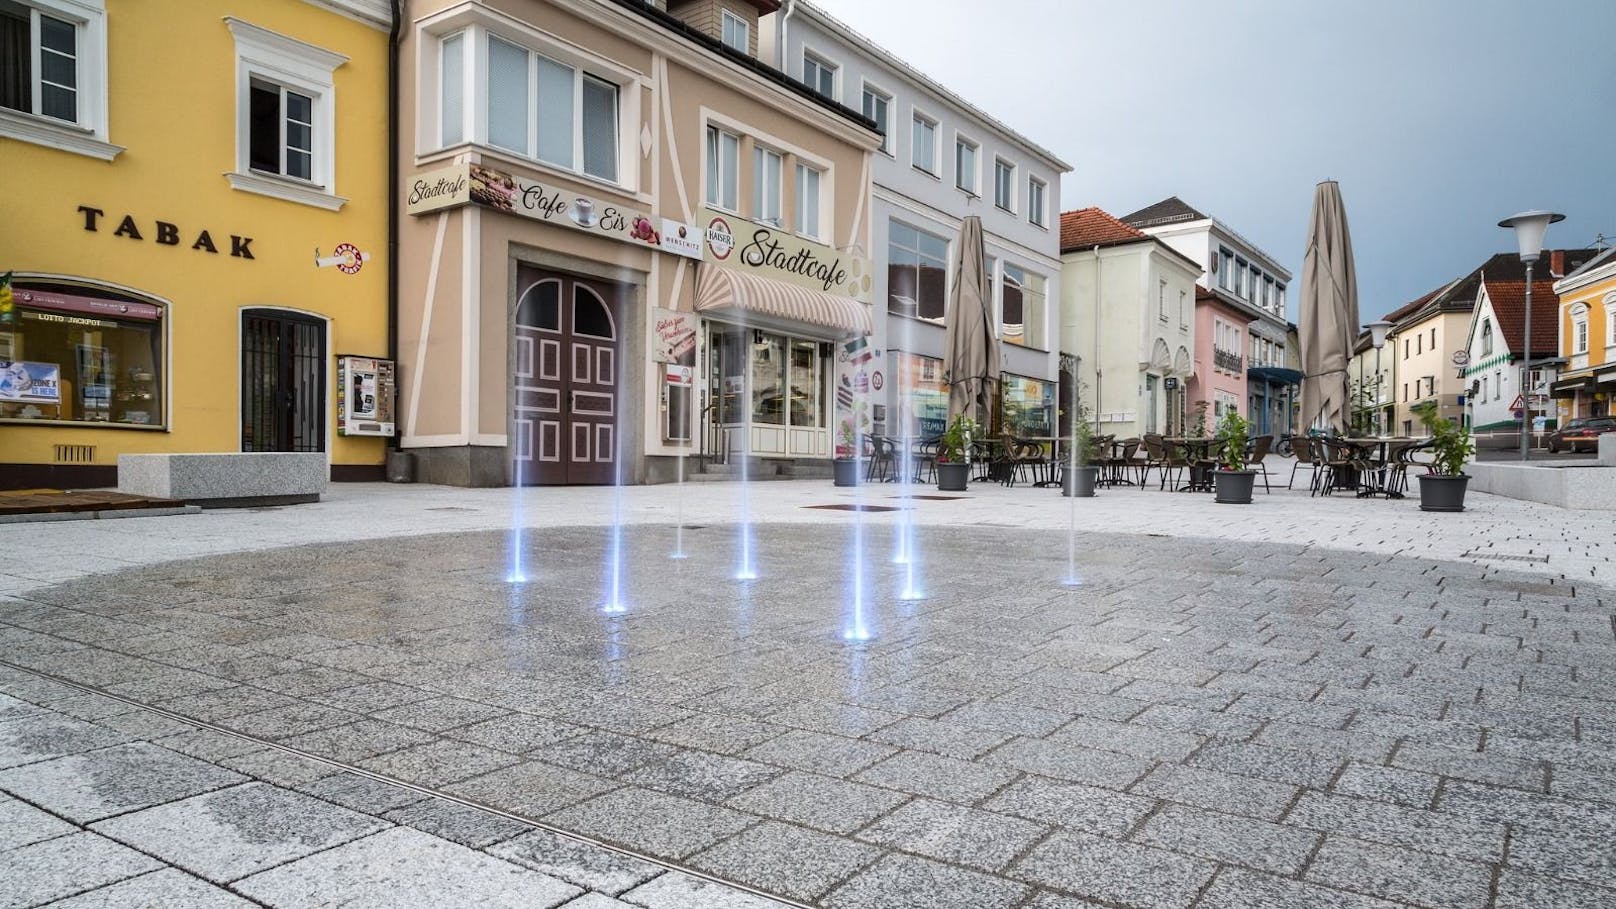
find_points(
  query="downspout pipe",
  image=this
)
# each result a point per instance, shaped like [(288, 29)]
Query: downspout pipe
[(780, 40), (1098, 372), (395, 35)]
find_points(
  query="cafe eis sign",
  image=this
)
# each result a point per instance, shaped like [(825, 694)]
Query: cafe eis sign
[(735, 242), (462, 184)]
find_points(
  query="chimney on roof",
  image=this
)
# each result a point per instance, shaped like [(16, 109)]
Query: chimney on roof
[(1557, 263)]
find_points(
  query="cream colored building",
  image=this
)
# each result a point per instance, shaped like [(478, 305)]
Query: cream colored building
[(624, 239)]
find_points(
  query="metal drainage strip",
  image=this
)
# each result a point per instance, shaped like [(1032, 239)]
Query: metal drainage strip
[(412, 787)]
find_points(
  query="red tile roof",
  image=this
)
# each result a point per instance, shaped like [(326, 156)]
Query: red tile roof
[(1087, 228), (1509, 306)]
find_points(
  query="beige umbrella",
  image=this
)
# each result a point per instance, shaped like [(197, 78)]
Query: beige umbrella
[(1328, 320), (972, 369)]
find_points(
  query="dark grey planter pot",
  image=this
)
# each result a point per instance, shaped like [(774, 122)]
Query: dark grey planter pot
[(952, 476), (1443, 493), (1079, 483), (400, 466), (846, 471), (1234, 486)]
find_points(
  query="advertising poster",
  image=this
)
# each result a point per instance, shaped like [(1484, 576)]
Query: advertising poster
[(857, 375), (365, 389), (675, 348), (33, 383)]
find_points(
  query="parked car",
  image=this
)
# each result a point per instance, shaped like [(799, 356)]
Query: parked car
[(1581, 434)]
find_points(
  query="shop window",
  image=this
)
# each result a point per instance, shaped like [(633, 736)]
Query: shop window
[(808, 201), (723, 169), (77, 358), (803, 378), (878, 107), (768, 371), (965, 165), (1004, 184), (1029, 405), (924, 396), (766, 178), (917, 271), (1024, 307), (285, 122), (52, 74)]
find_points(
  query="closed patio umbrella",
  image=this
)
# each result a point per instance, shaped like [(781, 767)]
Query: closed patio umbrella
[(972, 370), (1328, 318)]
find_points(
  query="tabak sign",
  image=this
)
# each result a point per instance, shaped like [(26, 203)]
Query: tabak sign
[(782, 255), (462, 184)]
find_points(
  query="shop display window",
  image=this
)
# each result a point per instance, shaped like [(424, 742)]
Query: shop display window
[(1029, 405), (81, 359)]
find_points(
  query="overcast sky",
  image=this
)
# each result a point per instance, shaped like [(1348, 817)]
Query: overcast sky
[(1438, 117)]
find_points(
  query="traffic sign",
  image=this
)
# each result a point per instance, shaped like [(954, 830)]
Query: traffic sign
[(1518, 404)]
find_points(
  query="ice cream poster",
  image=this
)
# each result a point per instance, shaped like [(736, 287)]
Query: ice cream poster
[(37, 383), (858, 380)]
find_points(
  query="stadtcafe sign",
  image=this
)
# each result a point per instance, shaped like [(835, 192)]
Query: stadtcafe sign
[(771, 253), (462, 184)]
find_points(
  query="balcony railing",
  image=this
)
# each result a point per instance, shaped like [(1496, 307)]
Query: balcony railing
[(1227, 359)]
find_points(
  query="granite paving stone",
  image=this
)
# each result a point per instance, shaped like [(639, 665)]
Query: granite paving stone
[(665, 825), (98, 784), (962, 836), (1236, 888), (1280, 765), (1388, 784), (1227, 838), (1473, 766), (26, 740), (710, 732), (896, 880), (168, 887), (1401, 874), (438, 763), (1443, 833), (438, 714), (1105, 869), (1524, 890), (677, 890), (456, 822), (1072, 805), (948, 779), (576, 862), (1217, 791), (517, 733), (231, 833), (532, 789), (21, 824), (818, 752), (360, 793), (283, 768), (792, 861), (832, 805), (36, 874), (1070, 762), (358, 741), (376, 870), (609, 753), (697, 774)]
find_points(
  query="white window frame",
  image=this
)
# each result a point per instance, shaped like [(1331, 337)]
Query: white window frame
[(889, 147), (815, 231), (760, 156), (307, 69), (917, 117), (713, 194), (1183, 309), (825, 65), (88, 134), (1610, 320), (1579, 329), (1486, 335), (1161, 299), (1004, 204), (973, 188), (725, 21), (1037, 202)]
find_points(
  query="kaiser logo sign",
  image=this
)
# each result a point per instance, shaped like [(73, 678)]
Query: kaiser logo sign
[(720, 239)]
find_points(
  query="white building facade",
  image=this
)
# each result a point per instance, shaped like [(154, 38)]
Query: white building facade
[(943, 159)]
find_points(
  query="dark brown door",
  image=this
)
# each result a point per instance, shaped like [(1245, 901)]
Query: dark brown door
[(565, 385), (282, 381)]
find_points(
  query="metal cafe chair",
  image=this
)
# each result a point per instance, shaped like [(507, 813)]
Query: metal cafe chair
[(1259, 450), (882, 459), (1302, 447)]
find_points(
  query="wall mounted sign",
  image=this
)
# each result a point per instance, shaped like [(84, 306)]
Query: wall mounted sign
[(463, 184), (681, 239), (784, 256), (166, 234), (346, 257)]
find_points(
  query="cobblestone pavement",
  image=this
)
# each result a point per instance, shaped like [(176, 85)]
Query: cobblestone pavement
[(1204, 723)]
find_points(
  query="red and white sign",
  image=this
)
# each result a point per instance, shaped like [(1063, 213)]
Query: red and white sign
[(681, 376), (720, 239), (346, 257)]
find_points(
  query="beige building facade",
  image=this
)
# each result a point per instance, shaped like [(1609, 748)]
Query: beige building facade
[(623, 240)]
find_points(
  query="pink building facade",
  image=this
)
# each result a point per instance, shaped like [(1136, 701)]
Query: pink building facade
[(1220, 357)]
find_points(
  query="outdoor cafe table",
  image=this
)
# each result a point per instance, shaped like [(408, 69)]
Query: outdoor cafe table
[(1375, 450), (1049, 474), (1196, 451)]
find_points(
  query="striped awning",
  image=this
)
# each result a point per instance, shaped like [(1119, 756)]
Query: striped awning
[(719, 288)]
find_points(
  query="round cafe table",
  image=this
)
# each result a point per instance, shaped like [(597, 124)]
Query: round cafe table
[(1197, 451)]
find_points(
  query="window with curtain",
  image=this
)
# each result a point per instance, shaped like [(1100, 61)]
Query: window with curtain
[(917, 270), (723, 169), (766, 191), (808, 201), (39, 62)]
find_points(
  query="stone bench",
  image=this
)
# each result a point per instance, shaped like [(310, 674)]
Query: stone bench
[(228, 479)]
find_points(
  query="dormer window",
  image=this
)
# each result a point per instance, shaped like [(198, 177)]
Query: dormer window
[(737, 34)]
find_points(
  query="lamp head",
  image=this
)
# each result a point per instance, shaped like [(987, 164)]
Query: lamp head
[(1529, 227), (1378, 332)]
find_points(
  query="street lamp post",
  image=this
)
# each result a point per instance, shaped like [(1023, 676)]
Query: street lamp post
[(1377, 337), (1529, 227)]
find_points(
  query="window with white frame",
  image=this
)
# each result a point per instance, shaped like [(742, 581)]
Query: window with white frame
[(923, 144), (819, 74), (1161, 300), (285, 117), (1004, 184), (723, 169), (1486, 337), (533, 105), (737, 33), (878, 107), (917, 271), (1226, 272), (1483, 395), (1035, 201), (1579, 329), (1239, 278), (1183, 309), (808, 180), (1498, 384), (965, 164), (1610, 322), (766, 179), (53, 74), (1023, 307), (1254, 286)]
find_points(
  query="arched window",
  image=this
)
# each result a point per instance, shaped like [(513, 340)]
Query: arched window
[(1486, 337), (1579, 329), (540, 306)]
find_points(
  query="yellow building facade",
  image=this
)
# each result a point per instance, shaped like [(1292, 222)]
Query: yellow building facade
[(1587, 385), (195, 231)]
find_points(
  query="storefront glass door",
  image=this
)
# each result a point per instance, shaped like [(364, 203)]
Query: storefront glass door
[(768, 393)]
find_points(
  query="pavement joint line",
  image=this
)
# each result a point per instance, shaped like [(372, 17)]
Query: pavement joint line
[(423, 790)]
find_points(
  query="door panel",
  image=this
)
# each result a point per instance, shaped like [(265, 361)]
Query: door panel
[(565, 391)]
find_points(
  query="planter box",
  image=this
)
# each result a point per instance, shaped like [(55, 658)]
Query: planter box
[(1234, 487), (1442, 493), (952, 476), (846, 471), (1079, 483), (228, 479)]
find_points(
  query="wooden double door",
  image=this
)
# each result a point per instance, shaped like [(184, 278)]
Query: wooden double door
[(567, 347)]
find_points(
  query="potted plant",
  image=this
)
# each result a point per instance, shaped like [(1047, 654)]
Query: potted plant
[(1081, 481), (954, 453), (1198, 421), (1233, 481), (846, 464), (1442, 487)]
